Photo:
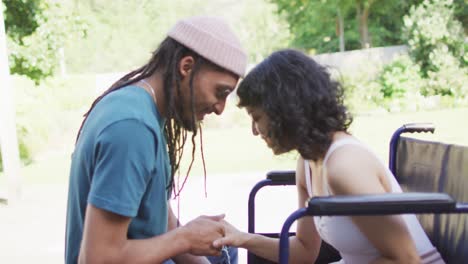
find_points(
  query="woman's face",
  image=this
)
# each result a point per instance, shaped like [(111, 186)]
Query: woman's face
[(261, 126)]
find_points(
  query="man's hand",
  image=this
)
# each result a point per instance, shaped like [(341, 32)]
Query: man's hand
[(201, 232)]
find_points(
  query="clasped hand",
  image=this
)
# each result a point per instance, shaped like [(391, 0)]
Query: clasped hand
[(202, 232)]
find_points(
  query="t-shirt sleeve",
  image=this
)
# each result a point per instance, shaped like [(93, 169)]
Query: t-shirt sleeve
[(124, 158)]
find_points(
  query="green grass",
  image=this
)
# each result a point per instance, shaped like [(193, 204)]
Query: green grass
[(236, 150), (52, 116)]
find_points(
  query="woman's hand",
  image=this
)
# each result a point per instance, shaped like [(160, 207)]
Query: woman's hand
[(232, 237)]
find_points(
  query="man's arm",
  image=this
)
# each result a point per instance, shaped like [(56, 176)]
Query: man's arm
[(105, 239)]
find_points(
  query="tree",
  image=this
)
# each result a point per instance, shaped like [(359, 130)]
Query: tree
[(316, 25), (8, 138), (363, 8), (328, 25), (36, 30)]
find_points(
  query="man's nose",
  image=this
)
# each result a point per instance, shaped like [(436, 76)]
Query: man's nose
[(219, 107), (254, 129)]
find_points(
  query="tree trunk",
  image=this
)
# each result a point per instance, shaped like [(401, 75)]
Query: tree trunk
[(341, 30), (362, 11), (8, 139)]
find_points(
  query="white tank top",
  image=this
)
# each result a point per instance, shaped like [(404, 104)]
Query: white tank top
[(345, 236)]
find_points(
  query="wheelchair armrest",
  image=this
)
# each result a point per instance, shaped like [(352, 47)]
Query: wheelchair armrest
[(287, 177), (418, 128), (376, 204), (381, 204)]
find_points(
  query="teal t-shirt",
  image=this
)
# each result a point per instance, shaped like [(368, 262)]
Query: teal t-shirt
[(121, 165)]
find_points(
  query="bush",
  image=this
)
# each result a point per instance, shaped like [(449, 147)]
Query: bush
[(446, 77), (401, 78), (400, 84), (362, 92), (48, 115), (432, 25)]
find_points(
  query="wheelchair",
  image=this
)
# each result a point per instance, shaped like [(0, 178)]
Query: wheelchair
[(434, 177)]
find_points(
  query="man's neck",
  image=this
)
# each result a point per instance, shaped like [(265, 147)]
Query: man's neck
[(157, 83)]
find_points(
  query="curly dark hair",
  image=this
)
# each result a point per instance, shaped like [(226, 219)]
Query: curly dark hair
[(304, 105)]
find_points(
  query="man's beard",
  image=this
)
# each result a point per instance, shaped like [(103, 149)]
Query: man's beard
[(186, 121), (189, 123)]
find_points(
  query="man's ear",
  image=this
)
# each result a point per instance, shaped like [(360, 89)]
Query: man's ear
[(186, 66)]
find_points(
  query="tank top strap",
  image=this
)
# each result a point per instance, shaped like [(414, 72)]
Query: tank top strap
[(308, 178), (334, 146), (338, 144)]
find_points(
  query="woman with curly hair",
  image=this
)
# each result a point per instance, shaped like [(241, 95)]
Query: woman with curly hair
[(295, 105)]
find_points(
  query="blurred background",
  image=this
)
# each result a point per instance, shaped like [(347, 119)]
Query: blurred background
[(400, 61)]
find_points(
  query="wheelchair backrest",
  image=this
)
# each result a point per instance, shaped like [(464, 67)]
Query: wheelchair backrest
[(426, 166)]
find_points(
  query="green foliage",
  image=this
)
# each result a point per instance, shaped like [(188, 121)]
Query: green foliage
[(386, 23), (48, 115), (37, 30), (119, 40), (21, 18), (120, 36), (262, 34), (446, 76), (436, 41), (432, 26), (401, 79), (116, 39), (461, 13), (400, 86), (434, 74), (314, 24), (362, 92)]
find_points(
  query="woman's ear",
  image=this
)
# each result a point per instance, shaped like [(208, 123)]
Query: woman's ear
[(186, 66)]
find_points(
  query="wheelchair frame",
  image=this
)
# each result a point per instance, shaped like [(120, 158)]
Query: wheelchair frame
[(381, 204)]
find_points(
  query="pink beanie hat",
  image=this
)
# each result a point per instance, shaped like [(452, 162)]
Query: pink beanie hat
[(213, 39)]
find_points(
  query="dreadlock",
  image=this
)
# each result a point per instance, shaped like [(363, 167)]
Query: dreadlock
[(166, 59)]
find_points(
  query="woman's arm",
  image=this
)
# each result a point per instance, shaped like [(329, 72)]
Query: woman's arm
[(304, 247), (308, 239), (353, 170)]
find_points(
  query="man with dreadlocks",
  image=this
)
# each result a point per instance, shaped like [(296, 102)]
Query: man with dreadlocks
[(130, 144)]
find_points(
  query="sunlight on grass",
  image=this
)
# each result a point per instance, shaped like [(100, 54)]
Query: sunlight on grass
[(235, 150), (228, 144)]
